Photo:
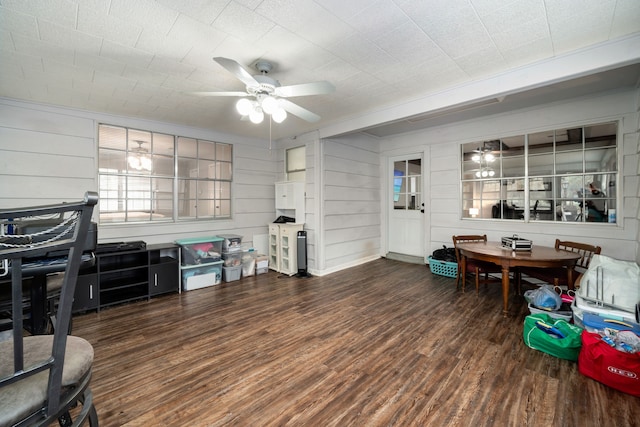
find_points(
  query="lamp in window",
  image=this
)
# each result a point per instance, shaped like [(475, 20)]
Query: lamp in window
[(473, 212), (138, 158)]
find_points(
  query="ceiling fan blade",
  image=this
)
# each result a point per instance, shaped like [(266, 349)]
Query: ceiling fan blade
[(236, 69), (297, 110), (305, 89), (219, 93)]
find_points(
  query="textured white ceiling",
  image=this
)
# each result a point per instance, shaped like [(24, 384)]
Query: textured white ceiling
[(142, 57)]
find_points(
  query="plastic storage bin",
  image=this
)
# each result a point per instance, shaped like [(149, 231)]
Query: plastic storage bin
[(443, 268), (262, 264), (248, 263), (231, 242), (232, 259), (231, 274), (200, 263), (200, 250), (201, 276)]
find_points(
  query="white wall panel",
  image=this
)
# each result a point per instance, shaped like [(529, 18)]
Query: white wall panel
[(351, 201), (444, 217), (342, 179), (349, 193), (31, 117), (46, 165), (351, 234), (339, 222), (28, 141), (48, 154), (349, 207), (352, 166), (18, 190), (350, 253)]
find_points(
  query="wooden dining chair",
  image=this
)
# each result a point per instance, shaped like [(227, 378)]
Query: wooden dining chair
[(558, 276), (481, 270), (42, 377)]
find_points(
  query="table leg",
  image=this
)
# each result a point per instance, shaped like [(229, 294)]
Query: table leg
[(463, 271), (505, 291), (570, 278)]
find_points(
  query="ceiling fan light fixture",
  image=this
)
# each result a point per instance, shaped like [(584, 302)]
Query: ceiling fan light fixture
[(269, 105), (134, 162), (267, 94), (145, 162), (279, 115), (244, 107), (139, 162), (256, 116), (138, 158)]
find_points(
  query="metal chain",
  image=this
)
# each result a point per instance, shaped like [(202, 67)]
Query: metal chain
[(65, 228)]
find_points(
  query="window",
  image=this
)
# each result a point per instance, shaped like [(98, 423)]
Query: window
[(296, 164), (566, 175), (407, 179), (150, 176)]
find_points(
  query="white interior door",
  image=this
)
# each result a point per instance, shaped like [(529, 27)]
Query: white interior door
[(406, 207)]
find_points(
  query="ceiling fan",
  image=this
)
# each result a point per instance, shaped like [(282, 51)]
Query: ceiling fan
[(266, 95), (484, 157)]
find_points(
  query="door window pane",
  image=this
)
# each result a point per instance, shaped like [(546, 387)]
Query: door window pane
[(407, 184)]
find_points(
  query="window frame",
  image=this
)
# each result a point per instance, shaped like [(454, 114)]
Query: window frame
[(157, 193), (293, 170), (544, 188)]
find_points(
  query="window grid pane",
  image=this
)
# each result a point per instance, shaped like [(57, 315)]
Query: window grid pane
[(138, 170), (569, 176)]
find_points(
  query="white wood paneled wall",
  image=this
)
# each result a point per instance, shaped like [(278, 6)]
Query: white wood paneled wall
[(45, 157), (351, 201), (443, 219), (49, 154)]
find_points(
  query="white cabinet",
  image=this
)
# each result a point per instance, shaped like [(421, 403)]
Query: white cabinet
[(283, 247), (290, 200)]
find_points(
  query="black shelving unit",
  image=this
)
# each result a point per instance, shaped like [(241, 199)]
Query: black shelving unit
[(164, 269), (125, 276)]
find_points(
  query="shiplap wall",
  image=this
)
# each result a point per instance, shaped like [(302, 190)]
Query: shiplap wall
[(351, 199), (443, 175), (45, 157), (636, 141), (49, 154)]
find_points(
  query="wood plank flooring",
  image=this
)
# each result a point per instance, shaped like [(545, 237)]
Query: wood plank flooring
[(382, 344)]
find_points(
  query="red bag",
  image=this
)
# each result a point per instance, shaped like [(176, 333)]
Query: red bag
[(609, 366)]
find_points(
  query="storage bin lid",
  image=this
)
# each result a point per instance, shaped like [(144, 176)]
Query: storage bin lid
[(194, 240)]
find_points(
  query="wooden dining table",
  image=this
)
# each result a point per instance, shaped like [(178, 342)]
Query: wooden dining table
[(538, 256)]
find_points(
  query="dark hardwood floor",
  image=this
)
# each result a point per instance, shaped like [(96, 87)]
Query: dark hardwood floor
[(385, 343)]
